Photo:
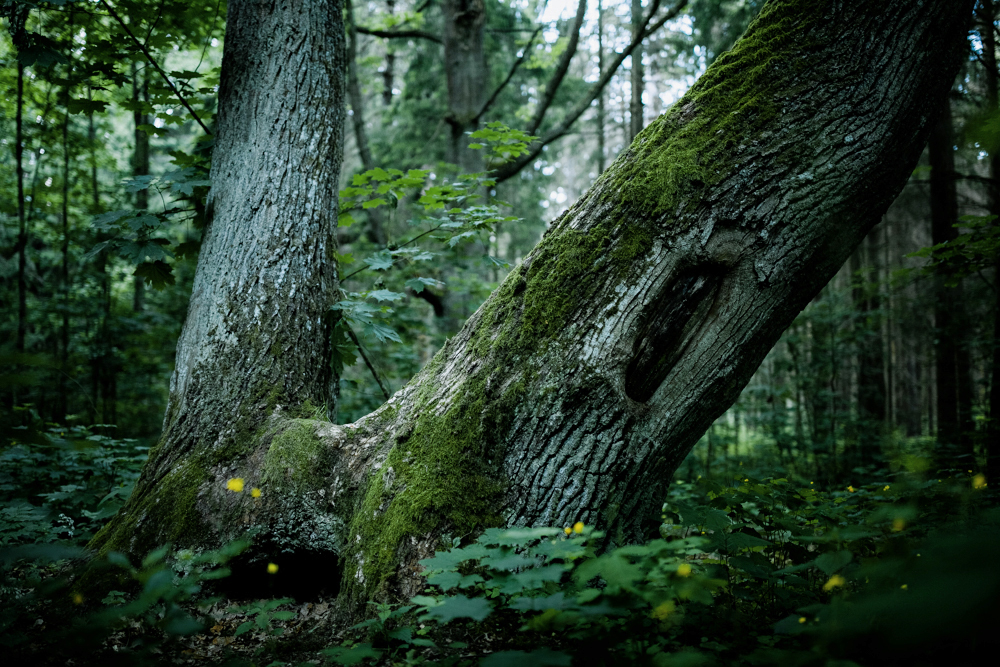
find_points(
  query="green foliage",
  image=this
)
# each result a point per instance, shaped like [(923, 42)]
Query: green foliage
[(756, 572), (62, 483), (974, 249)]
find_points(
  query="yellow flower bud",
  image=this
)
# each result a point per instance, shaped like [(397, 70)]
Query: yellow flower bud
[(255, 492), (578, 527), (272, 568), (802, 619), (684, 570), (835, 582), (235, 484), (568, 530)]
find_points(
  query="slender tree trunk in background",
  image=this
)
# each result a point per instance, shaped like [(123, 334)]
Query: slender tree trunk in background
[(390, 62), (465, 68), (601, 151), (140, 165), (951, 355), (588, 375), (871, 406), (376, 230), (987, 15), (635, 109), (63, 405), (22, 231)]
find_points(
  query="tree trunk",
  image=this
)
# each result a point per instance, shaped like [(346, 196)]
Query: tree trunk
[(987, 16), (22, 231), (465, 68), (588, 375), (376, 230), (871, 406), (140, 166), (600, 97), (951, 357), (635, 109)]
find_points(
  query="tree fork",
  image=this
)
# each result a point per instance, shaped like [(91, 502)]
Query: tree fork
[(599, 361)]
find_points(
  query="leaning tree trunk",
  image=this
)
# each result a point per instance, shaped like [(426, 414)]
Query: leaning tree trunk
[(583, 381)]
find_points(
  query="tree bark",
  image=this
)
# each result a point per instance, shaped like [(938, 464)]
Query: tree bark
[(588, 375), (140, 166), (376, 230), (256, 338), (635, 109), (951, 358), (986, 11), (466, 73)]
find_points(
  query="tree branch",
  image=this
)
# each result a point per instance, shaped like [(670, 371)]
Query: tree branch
[(354, 337), (396, 34), (510, 75), (511, 168), (557, 77), (152, 62)]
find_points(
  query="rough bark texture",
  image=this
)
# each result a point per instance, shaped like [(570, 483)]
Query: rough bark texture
[(577, 388), (256, 335), (465, 67), (635, 107)]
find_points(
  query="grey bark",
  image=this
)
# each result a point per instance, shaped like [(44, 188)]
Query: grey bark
[(256, 336), (376, 230), (585, 379), (465, 69), (635, 108)]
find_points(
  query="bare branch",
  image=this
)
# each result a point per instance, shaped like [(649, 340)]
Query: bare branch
[(517, 63), (557, 77), (152, 62), (511, 168), (397, 34)]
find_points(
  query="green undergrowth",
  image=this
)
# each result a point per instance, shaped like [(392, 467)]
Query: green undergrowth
[(742, 570), (750, 572)]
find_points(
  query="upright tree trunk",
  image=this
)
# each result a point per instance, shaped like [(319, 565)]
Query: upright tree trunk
[(635, 108), (389, 70), (140, 165), (376, 231), (601, 152), (950, 357), (256, 341), (585, 379), (465, 69), (987, 16), (22, 231), (871, 407), (63, 405)]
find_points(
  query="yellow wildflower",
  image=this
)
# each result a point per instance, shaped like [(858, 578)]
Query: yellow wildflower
[(979, 481), (834, 582), (684, 570), (904, 587), (235, 484), (255, 492), (664, 610), (272, 568), (802, 619), (77, 598), (567, 530), (851, 489), (578, 527), (898, 524), (885, 488)]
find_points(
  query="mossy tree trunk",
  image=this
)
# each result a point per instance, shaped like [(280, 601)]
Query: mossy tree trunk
[(579, 386)]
